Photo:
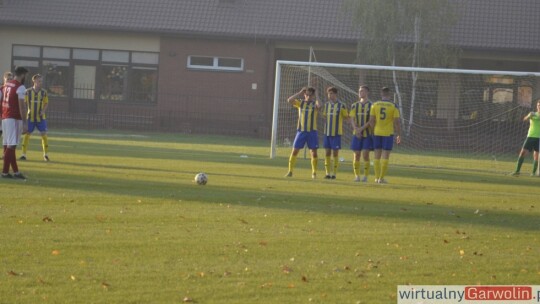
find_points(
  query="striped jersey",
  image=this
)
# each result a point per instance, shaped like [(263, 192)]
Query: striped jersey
[(307, 115), (35, 102), (360, 114), (334, 112), (384, 112)]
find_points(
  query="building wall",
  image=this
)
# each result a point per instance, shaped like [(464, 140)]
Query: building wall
[(72, 38), (216, 100)]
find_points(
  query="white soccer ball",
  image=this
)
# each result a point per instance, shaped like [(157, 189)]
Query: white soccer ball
[(201, 178)]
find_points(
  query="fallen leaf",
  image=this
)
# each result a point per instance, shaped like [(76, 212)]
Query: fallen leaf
[(461, 252), (73, 278), (266, 285), (47, 219), (304, 279), (446, 241), (13, 273), (105, 285), (291, 286), (55, 252), (286, 269), (187, 300), (263, 243)]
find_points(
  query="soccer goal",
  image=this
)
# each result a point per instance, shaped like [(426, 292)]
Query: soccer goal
[(450, 118)]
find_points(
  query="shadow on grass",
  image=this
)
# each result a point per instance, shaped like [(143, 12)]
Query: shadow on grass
[(274, 199)]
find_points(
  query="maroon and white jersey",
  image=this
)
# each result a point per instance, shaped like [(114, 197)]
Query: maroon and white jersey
[(11, 92)]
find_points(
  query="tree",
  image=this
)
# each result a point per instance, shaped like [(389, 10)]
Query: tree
[(405, 32)]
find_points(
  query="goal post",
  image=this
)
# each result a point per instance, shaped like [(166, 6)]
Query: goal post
[(451, 118)]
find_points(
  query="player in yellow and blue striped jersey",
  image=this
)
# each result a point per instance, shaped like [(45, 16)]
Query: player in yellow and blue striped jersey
[(306, 132), (335, 112), (37, 102), (362, 140)]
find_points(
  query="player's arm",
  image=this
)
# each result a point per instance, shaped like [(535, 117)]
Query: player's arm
[(296, 96), (371, 122), (528, 116), (397, 128), (22, 109), (45, 105)]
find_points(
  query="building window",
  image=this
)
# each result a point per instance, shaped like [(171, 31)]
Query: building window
[(84, 54), (143, 82), (90, 74), (56, 77), (215, 63), (113, 82)]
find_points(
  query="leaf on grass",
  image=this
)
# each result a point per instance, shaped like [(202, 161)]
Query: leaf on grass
[(263, 243), (105, 285), (55, 252), (47, 219), (41, 281), (304, 279), (243, 221), (13, 273), (286, 269), (266, 285), (478, 253), (461, 252), (291, 285), (187, 300), (73, 278), (446, 241), (226, 274)]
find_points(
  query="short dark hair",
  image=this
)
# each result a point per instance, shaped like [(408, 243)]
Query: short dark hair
[(311, 89), (19, 71), (332, 89), (364, 87), (36, 76)]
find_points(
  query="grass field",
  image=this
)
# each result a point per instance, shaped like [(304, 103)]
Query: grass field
[(116, 218)]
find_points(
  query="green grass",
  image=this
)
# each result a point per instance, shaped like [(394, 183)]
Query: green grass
[(116, 218)]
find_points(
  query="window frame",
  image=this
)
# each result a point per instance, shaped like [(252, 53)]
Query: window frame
[(215, 66), (98, 64)]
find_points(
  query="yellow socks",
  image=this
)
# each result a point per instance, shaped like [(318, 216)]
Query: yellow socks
[(327, 160), (336, 165), (25, 143), (314, 162), (384, 167), (45, 144), (366, 168), (356, 167), (377, 167), (292, 163)]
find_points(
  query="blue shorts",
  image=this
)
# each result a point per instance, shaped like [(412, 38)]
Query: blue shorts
[(303, 137), (364, 143), (41, 126), (332, 142), (383, 142)]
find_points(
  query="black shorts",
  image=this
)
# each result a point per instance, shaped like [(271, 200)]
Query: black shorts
[(531, 143)]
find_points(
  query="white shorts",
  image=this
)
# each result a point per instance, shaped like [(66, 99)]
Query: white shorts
[(11, 131)]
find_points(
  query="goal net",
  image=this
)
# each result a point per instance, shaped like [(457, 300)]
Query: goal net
[(458, 119)]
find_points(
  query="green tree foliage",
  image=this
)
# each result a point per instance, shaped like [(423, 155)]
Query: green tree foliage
[(405, 32), (414, 33)]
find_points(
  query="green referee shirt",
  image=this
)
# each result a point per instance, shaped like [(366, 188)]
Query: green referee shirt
[(534, 128)]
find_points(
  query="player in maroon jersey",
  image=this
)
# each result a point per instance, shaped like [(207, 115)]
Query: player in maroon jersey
[(13, 110), (7, 77)]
